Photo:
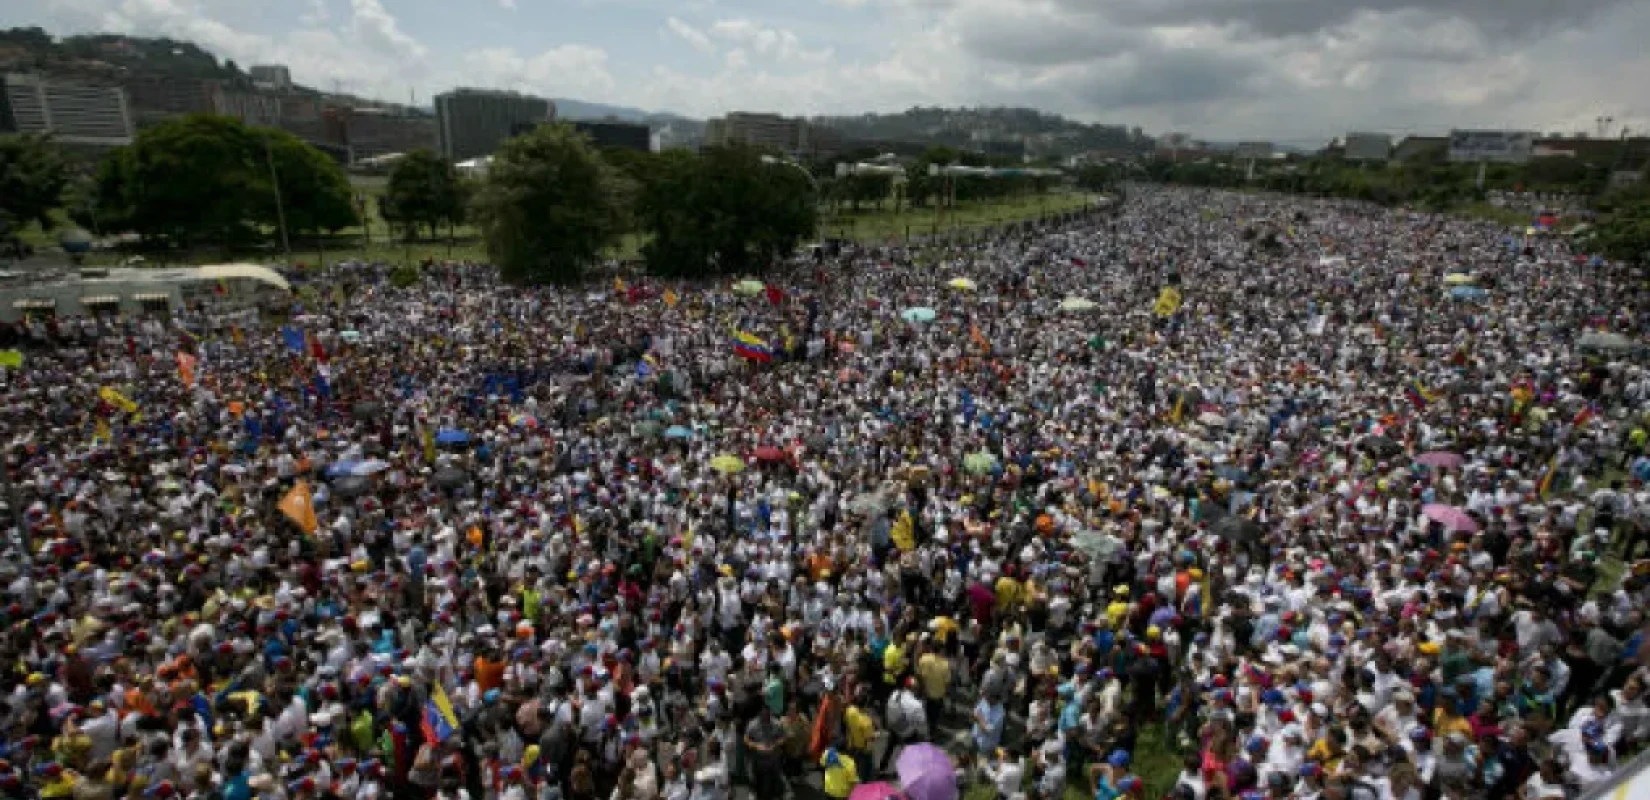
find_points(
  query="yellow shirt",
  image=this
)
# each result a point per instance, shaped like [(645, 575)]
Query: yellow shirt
[(893, 662), (860, 729), (934, 673), (944, 627), (1008, 593), (840, 779)]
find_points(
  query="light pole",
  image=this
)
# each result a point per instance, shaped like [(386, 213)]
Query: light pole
[(280, 208)]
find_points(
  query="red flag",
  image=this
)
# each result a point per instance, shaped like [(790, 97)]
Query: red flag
[(775, 295), (1078, 262), (633, 295), (316, 351)]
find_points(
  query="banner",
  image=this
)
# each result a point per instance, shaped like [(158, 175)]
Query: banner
[(1168, 302)]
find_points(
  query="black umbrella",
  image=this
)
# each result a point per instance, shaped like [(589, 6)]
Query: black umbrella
[(1238, 529), (451, 477), (351, 486), (1382, 447)]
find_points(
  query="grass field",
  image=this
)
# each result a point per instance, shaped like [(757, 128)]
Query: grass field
[(373, 242)]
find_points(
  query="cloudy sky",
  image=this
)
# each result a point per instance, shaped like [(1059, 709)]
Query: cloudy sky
[(1286, 70)]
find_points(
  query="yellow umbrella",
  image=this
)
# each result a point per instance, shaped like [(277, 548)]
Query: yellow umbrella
[(1457, 279), (963, 284), (727, 464)]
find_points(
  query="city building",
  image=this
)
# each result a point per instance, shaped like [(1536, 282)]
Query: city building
[(473, 122), (1411, 148), (372, 132), (1367, 147), (153, 98), (74, 113), (788, 135), (612, 133), (271, 76), (252, 108)]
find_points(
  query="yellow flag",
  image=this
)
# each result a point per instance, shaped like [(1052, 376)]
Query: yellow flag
[(671, 299), (1206, 595), (1168, 302), (1179, 408), (117, 399), (1547, 479), (428, 437), (101, 433), (619, 285), (11, 358), (236, 334), (903, 532), (299, 506)]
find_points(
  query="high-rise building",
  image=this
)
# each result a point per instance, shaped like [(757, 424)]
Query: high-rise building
[(271, 76), (471, 123), (71, 112)]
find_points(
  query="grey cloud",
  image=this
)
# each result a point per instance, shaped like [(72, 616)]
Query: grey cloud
[(1502, 19)]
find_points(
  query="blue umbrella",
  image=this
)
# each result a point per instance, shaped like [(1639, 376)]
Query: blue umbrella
[(451, 436), (339, 469), (678, 432)]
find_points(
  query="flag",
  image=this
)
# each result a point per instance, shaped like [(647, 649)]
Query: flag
[(671, 299), (978, 338), (1547, 478), (294, 339), (748, 346), (1078, 262), (439, 719), (776, 295), (299, 506), (186, 368), (1583, 417), (118, 400), (903, 532), (1179, 409), (101, 433), (1205, 594), (1168, 302), (236, 334), (619, 286), (427, 438), (1419, 395), (578, 331), (11, 358)]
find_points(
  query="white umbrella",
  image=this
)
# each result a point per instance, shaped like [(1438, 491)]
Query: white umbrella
[(1077, 305)]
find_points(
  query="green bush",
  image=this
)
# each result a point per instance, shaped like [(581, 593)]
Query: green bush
[(404, 276)]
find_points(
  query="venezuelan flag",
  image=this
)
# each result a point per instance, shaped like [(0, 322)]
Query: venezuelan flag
[(749, 346), (1419, 395), (439, 720)]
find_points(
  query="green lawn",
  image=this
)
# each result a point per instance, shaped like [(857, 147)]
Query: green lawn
[(1504, 216), (872, 225)]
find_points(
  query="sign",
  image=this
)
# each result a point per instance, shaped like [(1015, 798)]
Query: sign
[(1368, 147), (1504, 146)]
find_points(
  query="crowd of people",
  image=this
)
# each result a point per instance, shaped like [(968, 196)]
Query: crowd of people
[(1239, 485)]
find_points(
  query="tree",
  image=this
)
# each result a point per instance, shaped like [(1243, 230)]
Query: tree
[(315, 193), (208, 178), (548, 206), (32, 177), (1623, 231), (423, 190), (724, 211)]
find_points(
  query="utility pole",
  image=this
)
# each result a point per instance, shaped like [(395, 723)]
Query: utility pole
[(280, 208)]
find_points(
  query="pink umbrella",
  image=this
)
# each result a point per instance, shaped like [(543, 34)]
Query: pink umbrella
[(875, 791), (1440, 459), (1450, 517)]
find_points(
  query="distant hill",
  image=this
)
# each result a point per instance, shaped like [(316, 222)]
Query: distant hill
[(112, 54)]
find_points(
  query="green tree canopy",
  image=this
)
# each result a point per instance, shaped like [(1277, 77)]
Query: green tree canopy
[(548, 206), (424, 190), (32, 177), (723, 211), (209, 178)]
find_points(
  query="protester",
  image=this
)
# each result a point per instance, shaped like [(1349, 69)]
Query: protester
[(1321, 526)]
